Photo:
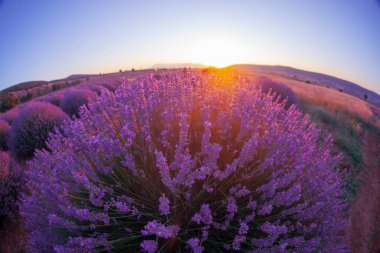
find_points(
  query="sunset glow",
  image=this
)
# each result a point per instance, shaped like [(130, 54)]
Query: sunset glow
[(218, 51)]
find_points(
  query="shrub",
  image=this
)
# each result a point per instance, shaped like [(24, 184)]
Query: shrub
[(95, 88), (283, 91), (11, 182), (32, 126), (185, 164), (10, 115), (54, 98), (8, 101), (111, 86), (4, 132), (74, 99)]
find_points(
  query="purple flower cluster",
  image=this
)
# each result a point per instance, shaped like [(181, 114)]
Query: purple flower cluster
[(98, 89), (32, 126), (160, 230), (186, 162), (149, 246), (282, 91), (164, 205), (54, 98), (10, 115), (111, 85), (74, 99)]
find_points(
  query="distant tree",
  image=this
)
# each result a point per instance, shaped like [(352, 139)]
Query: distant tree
[(29, 96), (120, 70), (133, 69), (54, 87), (8, 101), (365, 96)]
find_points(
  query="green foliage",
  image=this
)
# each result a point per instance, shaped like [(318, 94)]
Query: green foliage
[(351, 186), (341, 125), (29, 96), (8, 101), (344, 128)]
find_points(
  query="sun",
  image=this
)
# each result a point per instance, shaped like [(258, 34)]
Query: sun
[(218, 51)]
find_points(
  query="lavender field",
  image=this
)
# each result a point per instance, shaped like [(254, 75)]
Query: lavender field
[(177, 161), (189, 126)]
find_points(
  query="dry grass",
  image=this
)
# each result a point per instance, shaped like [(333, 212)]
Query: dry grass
[(344, 116), (330, 99)]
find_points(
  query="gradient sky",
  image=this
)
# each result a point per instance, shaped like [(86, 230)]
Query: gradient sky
[(50, 39)]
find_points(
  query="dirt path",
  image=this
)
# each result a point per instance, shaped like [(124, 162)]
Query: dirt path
[(365, 211)]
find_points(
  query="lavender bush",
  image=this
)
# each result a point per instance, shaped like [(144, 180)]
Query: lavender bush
[(283, 91), (10, 115), (185, 163), (111, 86), (31, 127), (98, 89), (74, 99), (10, 184), (5, 128), (54, 98)]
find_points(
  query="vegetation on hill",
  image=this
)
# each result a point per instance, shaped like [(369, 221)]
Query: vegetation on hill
[(25, 86)]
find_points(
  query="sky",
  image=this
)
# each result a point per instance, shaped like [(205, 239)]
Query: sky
[(51, 39)]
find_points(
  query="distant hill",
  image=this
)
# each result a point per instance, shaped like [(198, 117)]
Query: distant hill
[(313, 78), (24, 86), (178, 65), (79, 76)]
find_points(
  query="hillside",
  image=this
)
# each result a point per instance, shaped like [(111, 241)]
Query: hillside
[(24, 86), (312, 78)]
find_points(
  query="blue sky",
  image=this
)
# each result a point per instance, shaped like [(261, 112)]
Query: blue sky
[(49, 39)]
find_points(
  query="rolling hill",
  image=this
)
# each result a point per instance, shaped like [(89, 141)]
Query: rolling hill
[(312, 78)]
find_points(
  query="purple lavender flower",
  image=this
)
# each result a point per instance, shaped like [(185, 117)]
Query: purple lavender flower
[(204, 215), (195, 245), (186, 161), (160, 230), (149, 246), (282, 91), (164, 205), (10, 115)]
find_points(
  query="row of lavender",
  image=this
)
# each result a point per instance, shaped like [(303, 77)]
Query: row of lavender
[(186, 162), (26, 128)]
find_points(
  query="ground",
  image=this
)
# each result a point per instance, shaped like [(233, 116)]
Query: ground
[(365, 210)]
